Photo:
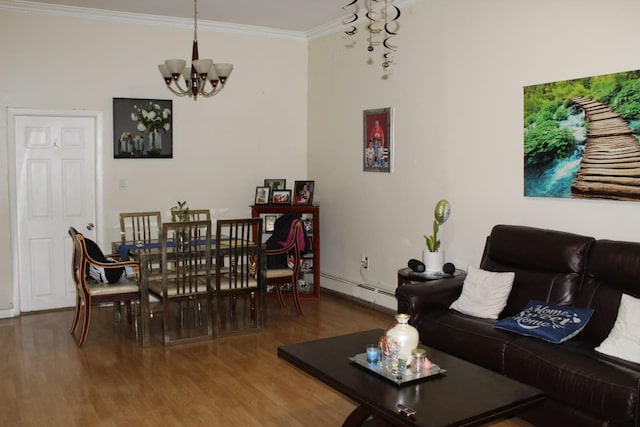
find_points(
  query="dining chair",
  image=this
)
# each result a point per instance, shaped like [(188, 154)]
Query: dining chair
[(140, 227), (194, 215), (90, 292), (279, 277), (185, 283), (239, 243)]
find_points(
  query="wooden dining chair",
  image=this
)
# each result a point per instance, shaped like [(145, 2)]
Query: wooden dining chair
[(194, 215), (279, 277), (140, 227), (89, 292), (185, 284), (239, 276)]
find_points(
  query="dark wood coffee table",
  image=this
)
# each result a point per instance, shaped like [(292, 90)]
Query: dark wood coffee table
[(466, 395)]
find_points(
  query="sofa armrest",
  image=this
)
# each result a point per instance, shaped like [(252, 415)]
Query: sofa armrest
[(416, 298)]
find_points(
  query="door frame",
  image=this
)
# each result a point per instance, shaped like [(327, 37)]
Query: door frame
[(12, 113)]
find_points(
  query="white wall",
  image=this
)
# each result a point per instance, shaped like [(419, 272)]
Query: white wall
[(456, 90), (457, 94), (223, 147)]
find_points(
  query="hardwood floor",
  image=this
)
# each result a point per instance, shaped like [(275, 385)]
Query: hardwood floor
[(232, 381)]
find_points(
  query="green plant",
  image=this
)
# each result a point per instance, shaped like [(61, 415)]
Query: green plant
[(546, 141), (441, 214), (182, 211)]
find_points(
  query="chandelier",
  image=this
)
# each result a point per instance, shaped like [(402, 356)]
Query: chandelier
[(382, 17), (198, 74)]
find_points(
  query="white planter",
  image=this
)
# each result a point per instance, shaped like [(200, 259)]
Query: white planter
[(433, 261)]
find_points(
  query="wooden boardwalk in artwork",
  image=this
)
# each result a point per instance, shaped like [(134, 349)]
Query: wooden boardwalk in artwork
[(610, 166)]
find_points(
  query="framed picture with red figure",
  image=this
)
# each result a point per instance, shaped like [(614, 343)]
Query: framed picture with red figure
[(378, 140)]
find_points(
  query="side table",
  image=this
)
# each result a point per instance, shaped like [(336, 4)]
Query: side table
[(407, 275)]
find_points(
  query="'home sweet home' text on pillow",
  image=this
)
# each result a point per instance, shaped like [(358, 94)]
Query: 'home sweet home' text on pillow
[(549, 322)]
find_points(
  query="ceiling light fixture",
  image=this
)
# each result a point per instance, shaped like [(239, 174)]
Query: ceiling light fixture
[(201, 71)]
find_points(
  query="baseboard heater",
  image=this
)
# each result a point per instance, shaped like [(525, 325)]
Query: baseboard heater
[(376, 290), (364, 291)]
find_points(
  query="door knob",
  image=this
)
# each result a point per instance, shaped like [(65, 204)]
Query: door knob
[(90, 226)]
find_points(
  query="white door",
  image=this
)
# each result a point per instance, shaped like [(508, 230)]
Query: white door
[(55, 184)]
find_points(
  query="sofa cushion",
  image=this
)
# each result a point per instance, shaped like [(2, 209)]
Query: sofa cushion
[(613, 269), (548, 322), (548, 264), (466, 337), (484, 293), (624, 340), (573, 374)]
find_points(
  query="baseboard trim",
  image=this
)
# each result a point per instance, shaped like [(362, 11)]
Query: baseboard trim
[(9, 313)]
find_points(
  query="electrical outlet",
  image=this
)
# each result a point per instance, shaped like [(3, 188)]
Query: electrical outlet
[(364, 262)]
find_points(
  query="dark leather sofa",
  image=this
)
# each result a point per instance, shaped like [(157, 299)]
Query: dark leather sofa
[(582, 387)]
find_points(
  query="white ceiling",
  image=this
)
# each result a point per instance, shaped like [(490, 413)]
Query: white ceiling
[(290, 15)]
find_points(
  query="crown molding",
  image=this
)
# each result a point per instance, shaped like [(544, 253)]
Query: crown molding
[(221, 27), (338, 25), (139, 18)]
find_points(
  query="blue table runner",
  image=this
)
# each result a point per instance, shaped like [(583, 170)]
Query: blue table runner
[(124, 249)]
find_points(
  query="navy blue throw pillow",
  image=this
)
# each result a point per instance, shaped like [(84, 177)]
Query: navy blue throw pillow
[(552, 323)]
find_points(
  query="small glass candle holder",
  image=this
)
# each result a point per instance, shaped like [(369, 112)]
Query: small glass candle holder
[(391, 362), (402, 365), (372, 353), (419, 356)]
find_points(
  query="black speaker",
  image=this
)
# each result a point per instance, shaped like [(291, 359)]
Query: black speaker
[(416, 266), (449, 268)]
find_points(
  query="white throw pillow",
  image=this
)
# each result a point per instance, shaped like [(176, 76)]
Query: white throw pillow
[(623, 341), (484, 293)]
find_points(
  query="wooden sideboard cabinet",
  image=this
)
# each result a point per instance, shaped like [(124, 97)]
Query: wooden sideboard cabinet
[(309, 278)]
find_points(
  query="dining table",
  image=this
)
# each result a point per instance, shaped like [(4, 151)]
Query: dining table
[(149, 254)]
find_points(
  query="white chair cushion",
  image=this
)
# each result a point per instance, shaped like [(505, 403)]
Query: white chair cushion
[(120, 287), (279, 272)]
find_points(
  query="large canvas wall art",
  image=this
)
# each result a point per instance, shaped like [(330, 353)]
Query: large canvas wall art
[(582, 138)]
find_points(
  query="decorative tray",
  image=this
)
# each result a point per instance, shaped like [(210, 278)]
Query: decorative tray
[(406, 377)]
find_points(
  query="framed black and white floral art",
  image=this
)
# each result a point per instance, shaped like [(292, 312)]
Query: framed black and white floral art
[(142, 128)]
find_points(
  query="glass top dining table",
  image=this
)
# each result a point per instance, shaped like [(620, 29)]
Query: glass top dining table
[(148, 254)]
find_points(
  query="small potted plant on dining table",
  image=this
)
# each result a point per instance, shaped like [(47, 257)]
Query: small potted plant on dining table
[(181, 211)]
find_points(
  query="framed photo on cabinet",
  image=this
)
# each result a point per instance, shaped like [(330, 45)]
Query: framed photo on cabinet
[(303, 192), (281, 197), (262, 196), (269, 223), (276, 184)]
